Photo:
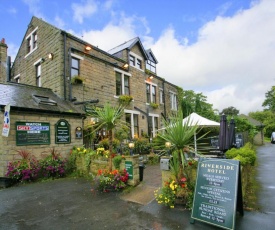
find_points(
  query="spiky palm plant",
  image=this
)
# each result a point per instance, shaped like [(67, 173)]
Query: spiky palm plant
[(108, 117)]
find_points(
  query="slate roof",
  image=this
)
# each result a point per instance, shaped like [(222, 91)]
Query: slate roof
[(252, 121), (21, 97), (128, 45)]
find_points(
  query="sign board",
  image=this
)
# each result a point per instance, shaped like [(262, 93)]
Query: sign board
[(6, 123), (129, 168), (32, 133), (78, 133), (62, 132), (218, 188)]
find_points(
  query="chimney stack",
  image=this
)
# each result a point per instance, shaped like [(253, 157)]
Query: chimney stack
[(3, 60)]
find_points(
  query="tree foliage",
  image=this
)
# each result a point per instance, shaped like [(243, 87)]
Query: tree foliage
[(197, 102), (230, 111), (269, 102)]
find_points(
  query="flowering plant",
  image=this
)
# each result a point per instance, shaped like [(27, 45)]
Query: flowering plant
[(23, 170), (167, 194), (102, 152), (112, 180)]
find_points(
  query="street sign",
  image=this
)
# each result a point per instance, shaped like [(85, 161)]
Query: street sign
[(218, 192)]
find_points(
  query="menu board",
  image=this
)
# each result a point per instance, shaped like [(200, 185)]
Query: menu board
[(32, 133), (62, 132), (215, 198), (129, 168)]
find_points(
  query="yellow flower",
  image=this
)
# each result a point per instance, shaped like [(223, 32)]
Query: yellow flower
[(85, 150), (172, 206), (78, 149)]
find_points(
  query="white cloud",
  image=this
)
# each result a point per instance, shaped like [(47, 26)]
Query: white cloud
[(232, 62), (82, 11), (34, 8), (119, 30)]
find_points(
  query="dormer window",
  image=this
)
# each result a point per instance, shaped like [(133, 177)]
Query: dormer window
[(31, 42), (136, 61)]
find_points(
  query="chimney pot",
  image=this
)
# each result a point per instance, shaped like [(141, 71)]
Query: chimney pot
[(3, 40)]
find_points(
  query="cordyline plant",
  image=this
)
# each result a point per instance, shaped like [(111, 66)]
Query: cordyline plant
[(180, 135), (109, 118)]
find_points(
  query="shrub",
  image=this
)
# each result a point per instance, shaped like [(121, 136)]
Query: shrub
[(117, 161), (246, 155), (112, 180)]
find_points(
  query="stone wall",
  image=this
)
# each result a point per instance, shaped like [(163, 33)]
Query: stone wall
[(8, 145)]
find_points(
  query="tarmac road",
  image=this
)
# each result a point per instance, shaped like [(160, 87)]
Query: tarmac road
[(70, 204)]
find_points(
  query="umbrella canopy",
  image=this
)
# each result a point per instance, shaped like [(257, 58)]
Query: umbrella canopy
[(223, 135), (195, 119), (232, 134)]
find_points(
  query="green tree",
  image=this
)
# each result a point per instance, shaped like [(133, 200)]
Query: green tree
[(230, 111), (108, 117), (269, 102), (267, 117), (197, 102)]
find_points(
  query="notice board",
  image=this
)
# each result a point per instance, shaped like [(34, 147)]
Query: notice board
[(62, 132), (32, 133), (218, 192), (129, 168)]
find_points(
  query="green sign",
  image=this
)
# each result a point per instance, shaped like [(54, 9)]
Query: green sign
[(215, 197), (32, 133), (62, 132), (129, 168)]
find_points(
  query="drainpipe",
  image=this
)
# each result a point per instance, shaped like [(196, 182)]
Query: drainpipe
[(70, 77), (8, 68), (164, 101), (64, 70)]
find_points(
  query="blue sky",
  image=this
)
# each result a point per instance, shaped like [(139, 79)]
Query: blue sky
[(224, 49)]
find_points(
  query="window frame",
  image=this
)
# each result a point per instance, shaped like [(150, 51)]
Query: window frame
[(123, 87), (136, 61), (31, 42), (154, 121), (133, 127), (153, 97), (173, 100), (161, 96)]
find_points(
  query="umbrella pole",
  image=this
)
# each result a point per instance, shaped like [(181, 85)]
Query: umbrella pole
[(195, 142)]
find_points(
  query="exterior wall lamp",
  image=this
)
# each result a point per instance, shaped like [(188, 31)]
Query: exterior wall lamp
[(88, 48), (125, 66), (50, 56), (131, 147)]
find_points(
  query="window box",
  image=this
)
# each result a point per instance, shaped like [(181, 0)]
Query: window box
[(77, 80), (125, 99), (154, 105)]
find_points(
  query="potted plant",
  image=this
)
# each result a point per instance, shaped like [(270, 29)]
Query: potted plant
[(77, 80), (125, 99), (154, 105)]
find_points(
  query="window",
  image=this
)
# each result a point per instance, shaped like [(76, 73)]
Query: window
[(131, 118), (122, 83), (43, 100), (135, 61), (38, 75), (139, 64), (153, 124), (161, 96), (75, 67), (31, 42), (173, 100), (151, 96), (132, 60), (151, 66)]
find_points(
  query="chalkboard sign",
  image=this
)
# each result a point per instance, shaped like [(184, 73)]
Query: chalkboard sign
[(32, 133), (62, 132), (129, 168), (217, 191)]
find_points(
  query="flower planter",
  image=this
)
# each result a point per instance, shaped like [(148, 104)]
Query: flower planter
[(5, 182)]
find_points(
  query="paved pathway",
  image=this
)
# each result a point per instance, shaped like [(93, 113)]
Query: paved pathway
[(70, 204)]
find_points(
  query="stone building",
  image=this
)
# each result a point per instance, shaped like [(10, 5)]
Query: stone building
[(80, 72)]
